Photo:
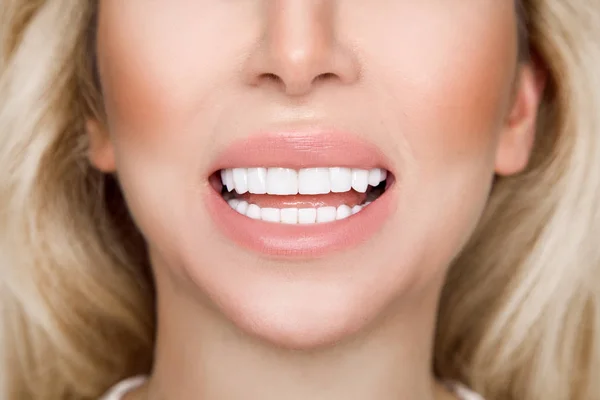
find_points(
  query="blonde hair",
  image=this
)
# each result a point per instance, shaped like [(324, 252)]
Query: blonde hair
[(520, 314)]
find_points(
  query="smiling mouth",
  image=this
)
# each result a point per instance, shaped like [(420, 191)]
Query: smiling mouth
[(300, 193), (301, 197)]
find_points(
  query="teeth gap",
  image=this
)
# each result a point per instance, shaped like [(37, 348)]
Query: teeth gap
[(374, 192)]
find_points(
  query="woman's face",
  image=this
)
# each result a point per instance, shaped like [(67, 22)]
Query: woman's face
[(324, 95)]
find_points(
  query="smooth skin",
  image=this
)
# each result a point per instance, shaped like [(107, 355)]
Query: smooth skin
[(435, 84)]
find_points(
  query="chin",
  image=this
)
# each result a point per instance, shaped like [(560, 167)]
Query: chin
[(301, 321)]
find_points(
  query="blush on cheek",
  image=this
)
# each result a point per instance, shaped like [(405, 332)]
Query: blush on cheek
[(451, 88), (156, 78), (140, 98), (460, 112)]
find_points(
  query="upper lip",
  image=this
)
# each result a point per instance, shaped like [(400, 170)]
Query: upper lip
[(297, 149)]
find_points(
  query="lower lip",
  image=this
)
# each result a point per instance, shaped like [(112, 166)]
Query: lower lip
[(299, 241)]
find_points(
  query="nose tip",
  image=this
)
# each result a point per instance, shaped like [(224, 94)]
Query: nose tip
[(300, 50), (297, 72)]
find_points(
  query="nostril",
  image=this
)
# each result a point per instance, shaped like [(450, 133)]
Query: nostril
[(271, 79), (325, 77)]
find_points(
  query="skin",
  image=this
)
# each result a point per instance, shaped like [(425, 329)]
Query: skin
[(435, 84)]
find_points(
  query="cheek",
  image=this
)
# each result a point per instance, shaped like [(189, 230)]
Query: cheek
[(450, 90), (450, 84), (162, 70), (163, 75)]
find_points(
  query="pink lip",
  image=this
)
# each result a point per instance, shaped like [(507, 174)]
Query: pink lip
[(300, 150)]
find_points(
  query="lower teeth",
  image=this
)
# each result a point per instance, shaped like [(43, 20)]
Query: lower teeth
[(300, 215), (295, 215)]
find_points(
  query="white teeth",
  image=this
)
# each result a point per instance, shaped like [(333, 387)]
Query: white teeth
[(282, 181), (257, 180), (294, 215), (289, 215), (307, 215), (313, 181), (341, 179), (253, 211), (326, 214), (227, 179), (242, 207), (233, 203), (240, 180), (360, 180), (343, 212), (270, 214), (375, 176), (307, 181)]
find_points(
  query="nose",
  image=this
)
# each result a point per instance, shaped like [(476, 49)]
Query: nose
[(299, 48)]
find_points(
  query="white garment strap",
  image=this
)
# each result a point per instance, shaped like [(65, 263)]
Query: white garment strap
[(463, 392), (122, 388)]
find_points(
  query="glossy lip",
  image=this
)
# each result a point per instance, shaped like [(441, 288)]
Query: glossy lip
[(301, 150)]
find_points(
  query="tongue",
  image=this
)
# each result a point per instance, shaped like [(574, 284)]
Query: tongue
[(351, 198)]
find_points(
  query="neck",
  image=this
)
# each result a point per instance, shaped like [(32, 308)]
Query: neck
[(201, 355)]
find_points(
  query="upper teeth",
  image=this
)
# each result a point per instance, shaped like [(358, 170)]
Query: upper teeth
[(285, 181)]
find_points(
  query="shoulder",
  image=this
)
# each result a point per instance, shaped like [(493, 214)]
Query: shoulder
[(118, 391)]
